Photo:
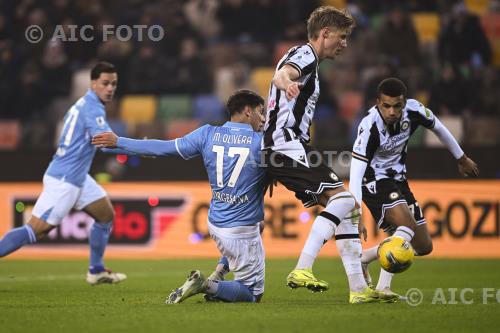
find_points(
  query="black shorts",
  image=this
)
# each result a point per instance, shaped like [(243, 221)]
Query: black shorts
[(383, 194), (307, 182)]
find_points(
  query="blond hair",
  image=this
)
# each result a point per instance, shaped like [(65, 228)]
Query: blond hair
[(328, 16)]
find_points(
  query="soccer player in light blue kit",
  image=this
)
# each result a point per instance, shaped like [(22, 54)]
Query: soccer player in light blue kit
[(231, 154), (67, 184)]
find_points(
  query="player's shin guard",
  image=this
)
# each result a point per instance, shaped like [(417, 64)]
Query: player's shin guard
[(98, 240), (350, 252), (349, 247), (15, 239), (234, 291), (384, 280), (324, 227), (369, 255)]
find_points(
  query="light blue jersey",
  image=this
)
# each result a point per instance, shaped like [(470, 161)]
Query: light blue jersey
[(231, 154), (75, 153)]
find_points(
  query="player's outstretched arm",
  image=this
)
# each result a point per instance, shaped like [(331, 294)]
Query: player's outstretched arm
[(141, 147), (284, 79)]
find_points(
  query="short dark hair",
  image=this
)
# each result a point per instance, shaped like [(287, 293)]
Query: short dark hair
[(392, 87), (237, 102), (101, 67)]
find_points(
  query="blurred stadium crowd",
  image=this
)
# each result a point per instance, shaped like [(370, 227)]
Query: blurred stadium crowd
[(448, 52)]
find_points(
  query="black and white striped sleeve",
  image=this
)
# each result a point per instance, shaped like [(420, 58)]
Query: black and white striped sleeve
[(367, 142), (302, 59), (419, 114)]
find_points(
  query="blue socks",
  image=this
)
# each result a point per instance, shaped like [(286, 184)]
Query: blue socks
[(16, 238), (98, 239), (234, 291)]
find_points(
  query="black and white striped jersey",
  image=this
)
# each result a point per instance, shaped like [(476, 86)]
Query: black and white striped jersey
[(288, 121), (384, 147)]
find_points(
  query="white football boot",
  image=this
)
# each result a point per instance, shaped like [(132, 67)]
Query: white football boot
[(105, 276), (194, 284)]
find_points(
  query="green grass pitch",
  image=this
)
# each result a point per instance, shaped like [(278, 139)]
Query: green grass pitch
[(52, 296)]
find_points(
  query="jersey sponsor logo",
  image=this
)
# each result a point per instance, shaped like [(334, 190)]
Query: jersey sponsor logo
[(393, 145), (137, 221)]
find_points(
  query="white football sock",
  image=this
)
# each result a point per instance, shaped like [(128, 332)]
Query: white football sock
[(211, 287), (404, 232), (369, 255), (350, 252), (384, 280), (324, 226), (322, 230)]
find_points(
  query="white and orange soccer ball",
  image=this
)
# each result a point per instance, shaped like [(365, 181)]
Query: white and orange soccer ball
[(395, 254)]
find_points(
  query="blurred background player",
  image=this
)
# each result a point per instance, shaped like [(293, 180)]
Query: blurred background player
[(67, 183), (231, 154), (292, 100), (378, 169)]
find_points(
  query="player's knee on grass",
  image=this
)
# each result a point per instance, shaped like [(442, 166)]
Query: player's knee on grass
[(258, 298), (399, 216)]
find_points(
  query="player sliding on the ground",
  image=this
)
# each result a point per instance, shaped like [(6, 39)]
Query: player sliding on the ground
[(378, 170), (67, 184), (231, 154)]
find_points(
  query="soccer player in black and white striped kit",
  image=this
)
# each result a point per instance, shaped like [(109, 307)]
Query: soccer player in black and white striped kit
[(378, 169), (294, 163)]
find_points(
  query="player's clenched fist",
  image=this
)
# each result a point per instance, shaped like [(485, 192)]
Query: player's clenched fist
[(105, 140), (293, 90)]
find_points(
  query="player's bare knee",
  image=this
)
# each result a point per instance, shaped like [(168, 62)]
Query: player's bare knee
[(258, 298), (106, 217), (40, 228)]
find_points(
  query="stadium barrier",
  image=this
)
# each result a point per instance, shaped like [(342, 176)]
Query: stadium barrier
[(168, 220)]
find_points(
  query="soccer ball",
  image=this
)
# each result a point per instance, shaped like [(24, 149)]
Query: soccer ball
[(395, 254)]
